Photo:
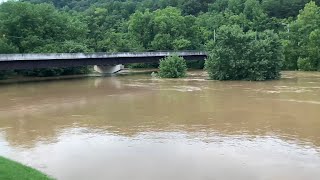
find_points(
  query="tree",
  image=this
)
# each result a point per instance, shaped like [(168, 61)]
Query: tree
[(6, 47), (172, 67), (141, 27), (239, 55), (32, 26), (40, 28), (28, 26), (165, 29), (302, 45), (283, 8), (192, 7), (236, 6), (113, 41)]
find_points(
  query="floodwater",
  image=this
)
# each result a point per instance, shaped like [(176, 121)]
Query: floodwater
[(141, 128)]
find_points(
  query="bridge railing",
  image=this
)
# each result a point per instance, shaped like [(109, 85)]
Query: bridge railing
[(74, 56)]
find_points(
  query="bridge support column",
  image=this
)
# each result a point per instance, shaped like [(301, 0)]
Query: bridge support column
[(110, 69)]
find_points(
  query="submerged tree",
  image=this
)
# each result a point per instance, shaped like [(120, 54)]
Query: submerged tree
[(239, 55), (172, 67)]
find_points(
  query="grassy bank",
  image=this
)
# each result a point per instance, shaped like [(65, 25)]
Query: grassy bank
[(10, 170)]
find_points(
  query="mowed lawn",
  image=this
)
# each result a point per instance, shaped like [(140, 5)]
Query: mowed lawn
[(10, 170)]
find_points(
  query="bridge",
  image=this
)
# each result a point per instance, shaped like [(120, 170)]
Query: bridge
[(103, 62)]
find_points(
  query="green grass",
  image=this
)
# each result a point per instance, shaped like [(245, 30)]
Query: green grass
[(10, 170)]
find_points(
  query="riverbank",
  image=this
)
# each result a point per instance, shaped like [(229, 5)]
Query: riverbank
[(10, 170)]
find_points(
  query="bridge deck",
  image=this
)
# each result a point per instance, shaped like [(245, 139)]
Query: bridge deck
[(31, 61)]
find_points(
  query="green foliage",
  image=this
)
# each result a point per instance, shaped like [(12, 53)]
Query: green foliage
[(6, 47), (290, 53), (172, 67), (64, 47), (304, 64), (284, 9), (28, 27), (118, 42), (67, 46), (165, 29), (40, 26), (302, 45), (239, 55)]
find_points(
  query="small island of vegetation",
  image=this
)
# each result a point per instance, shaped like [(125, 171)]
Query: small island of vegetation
[(172, 67), (240, 55)]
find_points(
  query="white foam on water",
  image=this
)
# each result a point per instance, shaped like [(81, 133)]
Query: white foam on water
[(300, 101)]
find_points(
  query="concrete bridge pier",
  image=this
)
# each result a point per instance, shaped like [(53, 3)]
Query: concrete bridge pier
[(108, 69)]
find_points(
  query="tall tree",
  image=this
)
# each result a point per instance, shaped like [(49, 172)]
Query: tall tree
[(301, 47), (28, 26), (165, 29)]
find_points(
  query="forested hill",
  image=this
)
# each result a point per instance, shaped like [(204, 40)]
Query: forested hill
[(32, 26), (274, 8)]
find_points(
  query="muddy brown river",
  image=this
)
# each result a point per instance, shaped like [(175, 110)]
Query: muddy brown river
[(142, 128)]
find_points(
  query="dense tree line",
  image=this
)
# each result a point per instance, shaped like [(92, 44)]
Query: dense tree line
[(32, 26), (274, 8)]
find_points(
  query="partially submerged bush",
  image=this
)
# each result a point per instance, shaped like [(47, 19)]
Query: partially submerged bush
[(304, 64), (172, 67), (239, 55)]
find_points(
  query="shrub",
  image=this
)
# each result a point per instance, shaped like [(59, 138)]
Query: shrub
[(239, 55), (304, 64), (6, 47), (172, 67)]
